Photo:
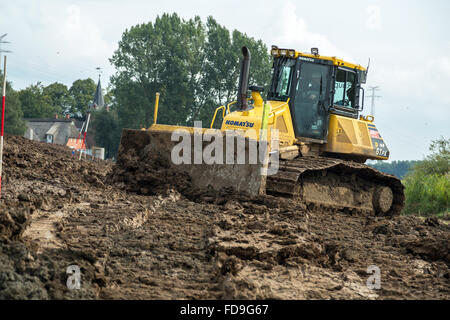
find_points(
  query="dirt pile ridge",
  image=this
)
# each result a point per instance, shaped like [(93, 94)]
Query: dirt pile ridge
[(160, 241)]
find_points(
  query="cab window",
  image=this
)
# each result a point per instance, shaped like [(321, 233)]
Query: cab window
[(344, 87), (282, 78), (283, 83)]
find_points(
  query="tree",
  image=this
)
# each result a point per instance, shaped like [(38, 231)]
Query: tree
[(36, 104), (81, 93), (438, 162), (427, 186), (397, 168), (222, 66), (194, 66), (165, 57), (60, 96), (106, 131), (261, 61), (14, 124)]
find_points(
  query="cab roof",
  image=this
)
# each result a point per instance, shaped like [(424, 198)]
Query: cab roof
[(277, 52)]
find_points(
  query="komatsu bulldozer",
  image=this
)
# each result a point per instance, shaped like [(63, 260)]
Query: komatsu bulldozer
[(310, 124)]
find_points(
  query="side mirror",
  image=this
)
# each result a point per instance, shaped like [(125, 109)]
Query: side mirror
[(360, 78)]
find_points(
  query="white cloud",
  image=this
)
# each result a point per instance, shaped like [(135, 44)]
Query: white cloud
[(81, 35), (291, 31), (426, 81), (56, 42)]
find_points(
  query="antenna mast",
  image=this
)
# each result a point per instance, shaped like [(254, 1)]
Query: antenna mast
[(1, 50)]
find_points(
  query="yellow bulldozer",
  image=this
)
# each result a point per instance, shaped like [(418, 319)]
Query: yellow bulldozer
[(309, 125)]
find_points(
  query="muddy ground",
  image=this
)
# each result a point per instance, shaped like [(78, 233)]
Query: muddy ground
[(162, 242)]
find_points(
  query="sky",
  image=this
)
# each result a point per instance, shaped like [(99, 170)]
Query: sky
[(408, 44)]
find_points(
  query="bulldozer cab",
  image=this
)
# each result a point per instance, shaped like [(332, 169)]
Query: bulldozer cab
[(316, 86)]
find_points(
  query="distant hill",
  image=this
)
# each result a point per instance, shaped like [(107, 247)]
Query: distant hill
[(396, 168)]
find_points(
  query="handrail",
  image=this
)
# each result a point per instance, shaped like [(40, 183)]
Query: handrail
[(226, 109), (155, 115), (233, 102), (215, 114), (368, 118), (228, 106)]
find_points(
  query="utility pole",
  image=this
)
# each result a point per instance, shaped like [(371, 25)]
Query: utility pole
[(373, 96), (1, 50)]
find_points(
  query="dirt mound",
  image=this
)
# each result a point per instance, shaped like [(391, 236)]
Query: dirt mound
[(13, 221), (148, 177), (25, 159), (159, 242)]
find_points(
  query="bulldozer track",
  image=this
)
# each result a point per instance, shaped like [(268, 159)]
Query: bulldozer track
[(337, 184)]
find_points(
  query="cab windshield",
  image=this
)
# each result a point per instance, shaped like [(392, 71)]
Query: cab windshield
[(282, 77)]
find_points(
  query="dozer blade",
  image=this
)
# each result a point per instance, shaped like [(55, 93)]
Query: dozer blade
[(142, 151)]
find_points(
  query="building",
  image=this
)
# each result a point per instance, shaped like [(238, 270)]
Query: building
[(52, 130), (67, 131)]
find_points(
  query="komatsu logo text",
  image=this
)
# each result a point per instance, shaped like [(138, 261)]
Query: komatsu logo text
[(240, 123)]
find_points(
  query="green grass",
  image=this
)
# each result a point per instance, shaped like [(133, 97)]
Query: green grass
[(427, 194)]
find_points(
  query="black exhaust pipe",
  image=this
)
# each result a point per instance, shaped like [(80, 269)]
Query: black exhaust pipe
[(243, 80)]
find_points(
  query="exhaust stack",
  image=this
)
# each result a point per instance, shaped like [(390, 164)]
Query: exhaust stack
[(243, 81)]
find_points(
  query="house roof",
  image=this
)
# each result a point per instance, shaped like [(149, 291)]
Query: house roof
[(54, 128), (47, 120)]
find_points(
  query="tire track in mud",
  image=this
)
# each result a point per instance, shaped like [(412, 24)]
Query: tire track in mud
[(286, 251)]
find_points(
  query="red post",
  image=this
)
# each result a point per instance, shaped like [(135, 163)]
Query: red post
[(3, 124), (81, 130)]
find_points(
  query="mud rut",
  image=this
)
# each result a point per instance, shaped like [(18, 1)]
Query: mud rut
[(170, 241)]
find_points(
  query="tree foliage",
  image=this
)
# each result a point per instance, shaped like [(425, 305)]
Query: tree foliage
[(427, 186), (60, 97), (222, 66), (81, 94), (44, 102), (195, 67), (14, 123), (37, 104), (106, 131), (162, 56), (396, 168), (438, 162)]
